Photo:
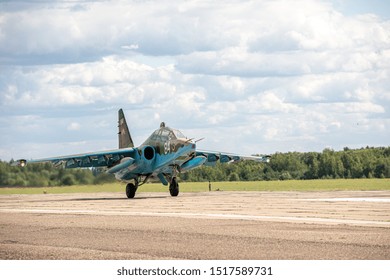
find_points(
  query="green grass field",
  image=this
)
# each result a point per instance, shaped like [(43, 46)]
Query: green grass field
[(291, 185)]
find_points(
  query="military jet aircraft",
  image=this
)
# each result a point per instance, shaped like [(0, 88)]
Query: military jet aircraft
[(165, 154)]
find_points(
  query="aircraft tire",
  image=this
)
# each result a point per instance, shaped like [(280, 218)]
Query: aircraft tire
[(130, 190), (174, 188)]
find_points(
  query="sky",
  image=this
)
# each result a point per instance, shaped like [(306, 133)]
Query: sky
[(251, 77)]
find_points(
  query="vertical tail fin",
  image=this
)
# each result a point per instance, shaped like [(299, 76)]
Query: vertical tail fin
[(124, 136)]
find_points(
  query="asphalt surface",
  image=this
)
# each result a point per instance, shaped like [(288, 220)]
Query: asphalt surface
[(208, 225)]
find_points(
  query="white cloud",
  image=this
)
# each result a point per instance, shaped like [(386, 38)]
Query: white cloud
[(73, 126), (131, 47)]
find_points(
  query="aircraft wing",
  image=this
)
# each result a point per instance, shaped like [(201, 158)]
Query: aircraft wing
[(93, 159), (214, 157)]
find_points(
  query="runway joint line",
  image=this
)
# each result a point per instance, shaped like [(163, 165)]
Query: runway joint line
[(203, 215)]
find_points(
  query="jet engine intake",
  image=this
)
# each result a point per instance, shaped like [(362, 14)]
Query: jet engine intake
[(148, 152)]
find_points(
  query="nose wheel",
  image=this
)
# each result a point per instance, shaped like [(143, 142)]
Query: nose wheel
[(174, 187)]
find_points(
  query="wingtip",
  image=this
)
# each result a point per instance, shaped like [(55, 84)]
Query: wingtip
[(20, 162), (267, 158)]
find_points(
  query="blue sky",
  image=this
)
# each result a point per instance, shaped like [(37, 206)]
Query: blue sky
[(249, 76), (355, 7)]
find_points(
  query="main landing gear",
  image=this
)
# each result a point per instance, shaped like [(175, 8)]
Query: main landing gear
[(174, 187), (131, 189)]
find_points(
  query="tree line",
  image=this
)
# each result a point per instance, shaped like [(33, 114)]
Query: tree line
[(369, 162), (46, 174)]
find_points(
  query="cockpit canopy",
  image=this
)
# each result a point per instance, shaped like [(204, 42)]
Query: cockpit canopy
[(163, 134)]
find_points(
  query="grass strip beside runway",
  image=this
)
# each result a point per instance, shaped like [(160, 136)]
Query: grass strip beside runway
[(288, 185)]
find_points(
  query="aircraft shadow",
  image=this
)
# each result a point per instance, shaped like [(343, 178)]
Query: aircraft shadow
[(105, 198), (100, 199), (112, 198)]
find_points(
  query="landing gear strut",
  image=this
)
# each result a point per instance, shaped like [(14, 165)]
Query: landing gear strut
[(131, 189), (174, 187)]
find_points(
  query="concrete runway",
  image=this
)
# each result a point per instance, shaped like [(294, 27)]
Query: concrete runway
[(208, 225)]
